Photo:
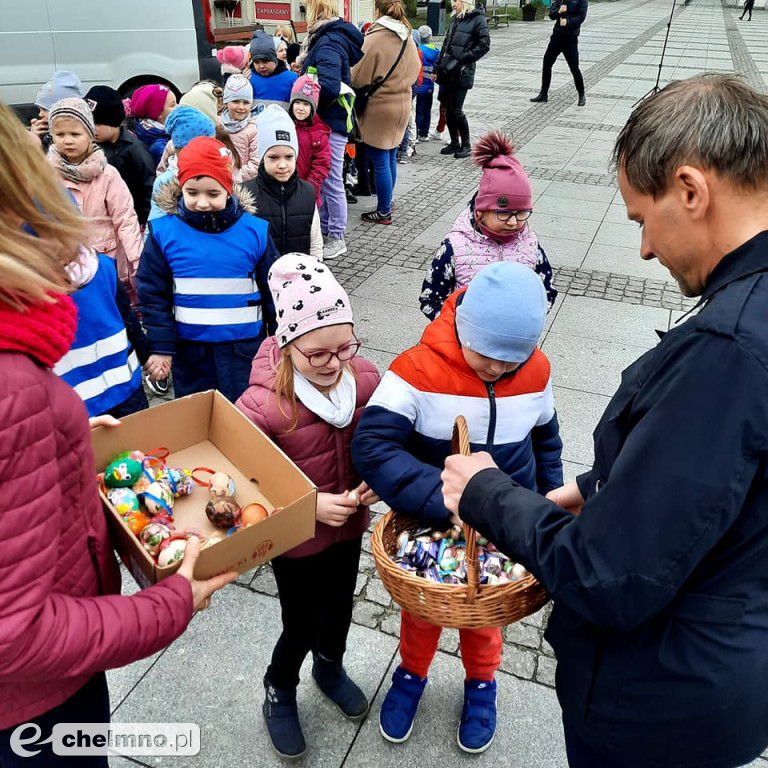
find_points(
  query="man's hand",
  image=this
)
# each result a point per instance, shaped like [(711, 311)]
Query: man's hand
[(563, 8), (459, 470), (158, 366), (568, 497), (563, 22)]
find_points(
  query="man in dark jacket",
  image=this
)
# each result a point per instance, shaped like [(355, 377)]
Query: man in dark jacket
[(123, 150), (657, 558), (568, 16)]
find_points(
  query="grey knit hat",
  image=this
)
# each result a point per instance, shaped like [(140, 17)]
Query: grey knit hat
[(425, 32)]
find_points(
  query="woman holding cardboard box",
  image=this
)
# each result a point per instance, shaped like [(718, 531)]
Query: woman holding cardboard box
[(62, 619)]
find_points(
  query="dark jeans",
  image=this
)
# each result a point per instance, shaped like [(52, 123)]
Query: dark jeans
[(568, 45), (747, 9), (581, 755), (89, 705), (385, 175), (365, 181), (453, 101), (133, 404), (423, 113), (316, 596)]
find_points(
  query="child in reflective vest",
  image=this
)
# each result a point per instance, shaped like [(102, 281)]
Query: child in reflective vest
[(202, 280)]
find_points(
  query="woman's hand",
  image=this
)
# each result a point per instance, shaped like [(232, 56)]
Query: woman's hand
[(335, 508), (201, 590), (568, 497), (365, 495)]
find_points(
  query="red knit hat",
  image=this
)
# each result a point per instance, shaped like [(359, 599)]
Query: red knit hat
[(504, 185), (204, 156)]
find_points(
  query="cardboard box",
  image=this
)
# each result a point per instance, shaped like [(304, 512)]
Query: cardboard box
[(206, 430)]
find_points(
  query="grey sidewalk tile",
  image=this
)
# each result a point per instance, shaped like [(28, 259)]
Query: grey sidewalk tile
[(576, 192), (627, 235), (610, 321), (572, 469), (382, 360), (590, 365), (582, 230), (562, 251), (592, 211), (390, 327), (398, 285), (624, 261), (213, 675), (529, 733), (578, 414)]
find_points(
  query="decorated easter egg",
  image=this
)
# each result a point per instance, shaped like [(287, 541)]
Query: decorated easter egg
[(171, 551), (141, 485), (223, 513), (222, 485), (137, 521), (153, 536), (124, 500), (519, 571), (253, 513), (178, 480), (122, 473), (158, 498)]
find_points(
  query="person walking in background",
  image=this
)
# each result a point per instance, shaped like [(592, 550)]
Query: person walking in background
[(66, 623), (391, 65), (122, 149), (332, 47), (467, 41), (568, 16), (748, 6), (425, 94)]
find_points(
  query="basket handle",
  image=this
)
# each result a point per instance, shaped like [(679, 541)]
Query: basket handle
[(460, 444)]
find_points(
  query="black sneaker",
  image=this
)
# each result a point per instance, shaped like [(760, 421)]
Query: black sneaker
[(282, 718), (159, 387), (450, 149), (582, 100), (377, 217), (351, 199), (333, 681), (464, 151), (542, 97)]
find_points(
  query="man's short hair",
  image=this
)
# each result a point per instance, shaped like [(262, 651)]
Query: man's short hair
[(715, 122)]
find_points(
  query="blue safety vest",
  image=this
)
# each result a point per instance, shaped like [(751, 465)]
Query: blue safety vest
[(100, 366), (216, 297), (429, 55)]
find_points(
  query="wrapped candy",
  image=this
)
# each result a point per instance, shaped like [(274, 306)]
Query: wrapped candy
[(158, 498), (124, 500), (122, 473), (222, 512), (171, 550), (153, 536)]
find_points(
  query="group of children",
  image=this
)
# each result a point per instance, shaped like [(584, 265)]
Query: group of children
[(234, 295)]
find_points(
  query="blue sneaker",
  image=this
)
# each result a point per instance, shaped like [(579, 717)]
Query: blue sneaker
[(400, 705), (478, 717)]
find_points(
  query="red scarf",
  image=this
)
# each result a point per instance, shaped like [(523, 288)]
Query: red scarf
[(44, 331)]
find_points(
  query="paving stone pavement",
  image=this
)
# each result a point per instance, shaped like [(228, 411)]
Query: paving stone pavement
[(611, 305)]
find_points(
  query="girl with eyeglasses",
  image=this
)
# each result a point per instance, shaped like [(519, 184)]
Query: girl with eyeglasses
[(493, 227), (307, 392)]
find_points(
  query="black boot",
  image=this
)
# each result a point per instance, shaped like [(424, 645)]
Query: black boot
[(450, 149), (282, 718), (465, 150), (582, 99), (542, 97), (333, 681)]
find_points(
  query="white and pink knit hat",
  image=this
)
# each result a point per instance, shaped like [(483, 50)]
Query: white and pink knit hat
[(307, 296)]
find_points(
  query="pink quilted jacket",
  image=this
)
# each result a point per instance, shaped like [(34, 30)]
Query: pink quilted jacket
[(61, 619), (321, 451), (247, 147)]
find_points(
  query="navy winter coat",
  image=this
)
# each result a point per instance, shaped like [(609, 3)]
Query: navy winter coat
[(574, 16), (660, 622), (336, 46)]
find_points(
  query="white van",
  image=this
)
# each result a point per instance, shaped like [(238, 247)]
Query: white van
[(122, 43)]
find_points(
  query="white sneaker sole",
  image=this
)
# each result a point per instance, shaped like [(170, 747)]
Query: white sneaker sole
[(469, 751), (336, 254), (392, 739)]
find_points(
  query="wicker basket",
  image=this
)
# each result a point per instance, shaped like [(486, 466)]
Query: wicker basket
[(473, 606)]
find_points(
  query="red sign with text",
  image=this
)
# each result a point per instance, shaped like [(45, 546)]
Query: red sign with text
[(267, 11)]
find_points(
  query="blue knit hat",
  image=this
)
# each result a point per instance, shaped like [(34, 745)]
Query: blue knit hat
[(502, 314), (263, 47), (63, 85), (187, 123)]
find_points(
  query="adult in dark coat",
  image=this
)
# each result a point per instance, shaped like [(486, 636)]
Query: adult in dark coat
[(568, 16), (657, 558), (748, 6), (467, 41)]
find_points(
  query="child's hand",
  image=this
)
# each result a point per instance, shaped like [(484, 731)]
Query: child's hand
[(38, 126), (365, 495), (567, 496), (103, 421), (158, 366), (334, 508)]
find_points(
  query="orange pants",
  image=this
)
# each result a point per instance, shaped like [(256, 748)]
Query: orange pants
[(480, 648)]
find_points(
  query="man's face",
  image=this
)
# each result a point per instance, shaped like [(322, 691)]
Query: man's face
[(670, 233), (264, 67)]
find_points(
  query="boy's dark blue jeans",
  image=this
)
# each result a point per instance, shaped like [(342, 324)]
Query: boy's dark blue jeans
[(423, 113)]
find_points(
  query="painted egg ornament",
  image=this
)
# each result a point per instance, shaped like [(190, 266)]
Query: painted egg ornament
[(141, 485), (171, 551), (178, 480), (164, 519), (223, 513), (153, 536), (124, 500), (519, 571), (253, 513), (158, 499), (137, 522), (222, 486), (122, 473)]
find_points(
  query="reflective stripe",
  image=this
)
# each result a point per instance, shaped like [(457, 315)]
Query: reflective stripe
[(212, 286), (77, 358), (231, 316), (111, 378)]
